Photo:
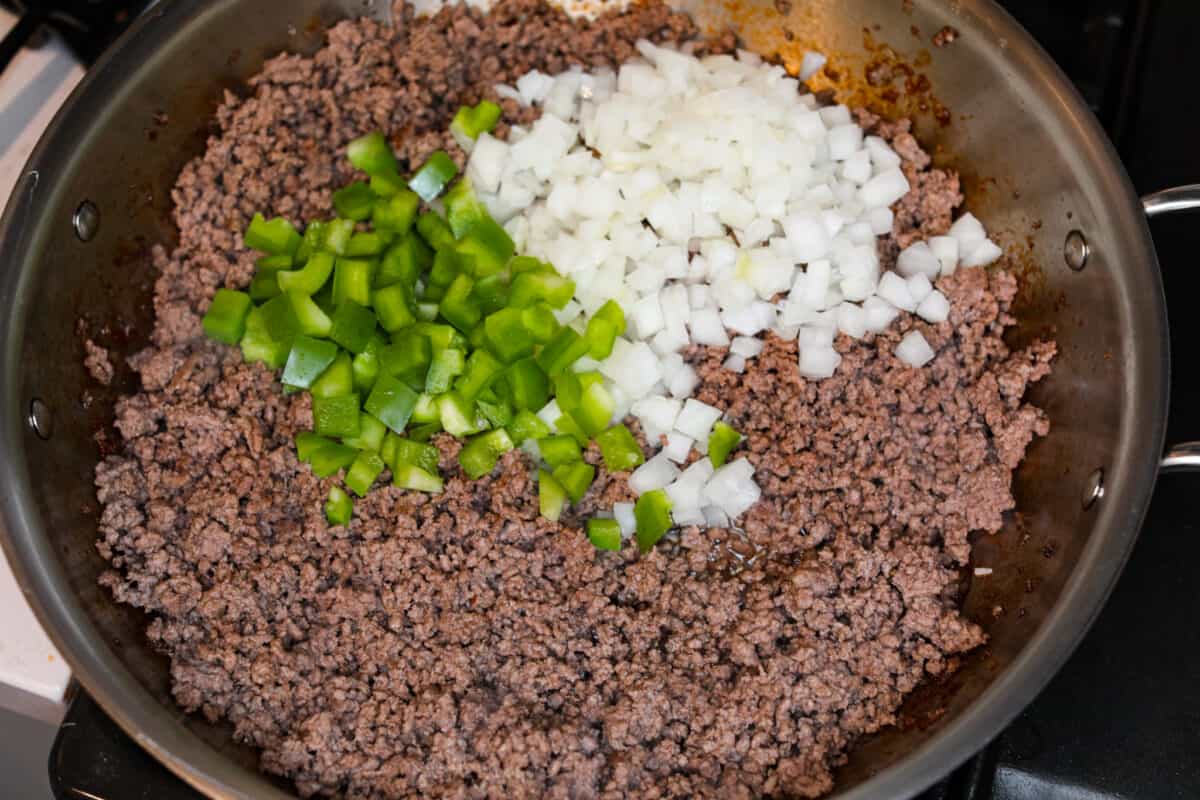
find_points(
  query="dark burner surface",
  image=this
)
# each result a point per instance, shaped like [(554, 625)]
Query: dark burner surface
[(1122, 719)]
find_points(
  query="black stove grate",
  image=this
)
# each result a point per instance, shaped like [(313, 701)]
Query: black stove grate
[(1122, 719)]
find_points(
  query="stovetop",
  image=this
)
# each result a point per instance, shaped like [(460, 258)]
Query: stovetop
[(1122, 719)]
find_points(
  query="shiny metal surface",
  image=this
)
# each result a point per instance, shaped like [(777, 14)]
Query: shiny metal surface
[(1035, 167), (1177, 198), (1182, 458)]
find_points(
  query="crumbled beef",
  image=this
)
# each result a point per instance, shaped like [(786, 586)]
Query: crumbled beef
[(97, 362), (945, 36), (461, 645)]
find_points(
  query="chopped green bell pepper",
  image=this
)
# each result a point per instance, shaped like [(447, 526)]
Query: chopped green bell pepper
[(418, 454), (308, 359), (353, 326), (337, 380), (562, 351), (397, 213), (507, 335), (575, 477), (363, 472), (498, 414), (310, 278), (611, 312), (365, 366), (481, 370), (338, 234), (371, 433), (330, 457), (404, 262), (525, 426), (479, 456), (408, 476), (559, 450), (457, 414), (339, 507), (548, 287), (600, 335), (605, 534), (528, 385), (433, 176), (470, 121), (463, 208), (372, 154), (367, 244), (258, 344), (394, 307), (276, 236), (552, 497), (487, 245), (352, 281), (595, 409), (653, 514), (619, 449), (539, 320), (263, 286), (391, 402), (407, 358), (225, 319), (336, 416), (721, 443), (354, 201), (435, 230), (447, 365), (458, 307), (491, 292), (307, 444)]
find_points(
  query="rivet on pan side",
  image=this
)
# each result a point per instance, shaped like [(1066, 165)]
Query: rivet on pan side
[(86, 221), (1093, 490), (41, 419), (1076, 250)]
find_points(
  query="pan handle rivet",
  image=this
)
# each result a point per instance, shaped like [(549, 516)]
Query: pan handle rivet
[(86, 221), (41, 419), (1076, 250), (1093, 490)]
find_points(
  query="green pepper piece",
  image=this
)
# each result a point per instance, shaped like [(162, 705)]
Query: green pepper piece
[(367, 244), (619, 449), (225, 319), (408, 476), (562, 351), (396, 213), (371, 433), (463, 208), (605, 534), (479, 456), (308, 280), (568, 391), (470, 121), (312, 320), (276, 263), (315, 235), (519, 264), (426, 410), (595, 409), (339, 507), (566, 424), (612, 312), (487, 245), (276, 236), (337, 380), (423, 433), (507, 335), (491, 292), (552, 497), (387, 450), (365, 366), (653, 514), (539, 320), (457, 414), (307, 444), (258, 345), (418, 454), (600, 335), (352, 281), (386, 184), (528, 385), (498, 414), (548, 287), (353, 326), (447, 365), (336, 416), (575, 477), (433, 176), (404, 262), (559, 450), (441, 336), (435, 230), (458, 307), (481, 370), (525, 426), (721, 443), (337, 236), (394, 306), (407, 358), (372, 154), (306, 362), (363, 472), (264, 286), (391, 402), (354, 201), (447, 265), (330, 457)]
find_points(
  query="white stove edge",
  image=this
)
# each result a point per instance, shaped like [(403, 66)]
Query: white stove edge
[(33, 675)]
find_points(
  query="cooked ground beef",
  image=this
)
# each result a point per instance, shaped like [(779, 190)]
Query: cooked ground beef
[(461, 645), (97, 362)]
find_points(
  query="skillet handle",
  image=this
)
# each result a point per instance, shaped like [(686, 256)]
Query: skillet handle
[(1183, 457)]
